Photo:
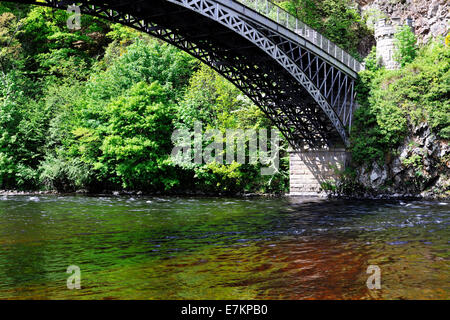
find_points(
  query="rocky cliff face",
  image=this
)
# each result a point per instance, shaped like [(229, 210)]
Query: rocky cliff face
[(431, 17), (420, 167)]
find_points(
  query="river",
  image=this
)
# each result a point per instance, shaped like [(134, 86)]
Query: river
[(222, 248)]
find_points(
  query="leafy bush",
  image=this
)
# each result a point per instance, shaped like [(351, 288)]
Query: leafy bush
[(345, 184), (64, 175)]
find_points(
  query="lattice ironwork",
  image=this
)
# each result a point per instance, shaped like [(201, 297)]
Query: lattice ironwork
[(308, 96)]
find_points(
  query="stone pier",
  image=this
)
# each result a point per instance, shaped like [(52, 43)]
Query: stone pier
[(310, 168)]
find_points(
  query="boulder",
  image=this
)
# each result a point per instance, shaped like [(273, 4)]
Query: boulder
[(397, 166), (378, 175)]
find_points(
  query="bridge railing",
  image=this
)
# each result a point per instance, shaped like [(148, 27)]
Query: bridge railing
[(284, 18)]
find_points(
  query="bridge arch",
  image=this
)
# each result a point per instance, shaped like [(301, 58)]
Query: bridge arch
[(304, 90)]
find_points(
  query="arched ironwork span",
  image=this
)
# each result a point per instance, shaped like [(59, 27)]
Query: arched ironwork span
[(304, 90)]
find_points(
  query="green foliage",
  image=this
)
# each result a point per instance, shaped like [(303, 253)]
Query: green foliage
[(345, 183), (95, 108), (338, 20), (64, 174), (120, 125), (329, 186), (405, 43), (216, 177), (136, 143), (22, 123), (217, 103), (55, 52), (371, 61), (415, 161), (391, 101), (124, 35), (145, 61), (11, 48), (213, 100)]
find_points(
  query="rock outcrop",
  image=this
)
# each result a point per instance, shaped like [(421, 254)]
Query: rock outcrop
[(431, 17), (420, 167)]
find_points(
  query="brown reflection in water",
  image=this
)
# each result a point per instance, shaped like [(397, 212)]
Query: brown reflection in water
[(315, 269)]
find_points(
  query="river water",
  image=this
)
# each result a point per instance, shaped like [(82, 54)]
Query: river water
[(222, 248)]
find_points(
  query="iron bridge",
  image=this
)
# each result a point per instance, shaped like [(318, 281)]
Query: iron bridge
[(302, 81)]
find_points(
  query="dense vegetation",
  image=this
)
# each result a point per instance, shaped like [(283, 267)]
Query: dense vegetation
[(392, 102), (338, 20), (95, 109)]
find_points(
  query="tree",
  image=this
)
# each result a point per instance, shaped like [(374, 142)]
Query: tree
[(11, 48), (22, 133), (405, 43), (137, 143)]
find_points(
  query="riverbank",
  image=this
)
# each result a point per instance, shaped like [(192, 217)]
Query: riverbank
[(340, 192), (140, 193), (406, 197), (322, 195)]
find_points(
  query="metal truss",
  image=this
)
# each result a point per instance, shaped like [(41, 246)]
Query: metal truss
[(308, 97)]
